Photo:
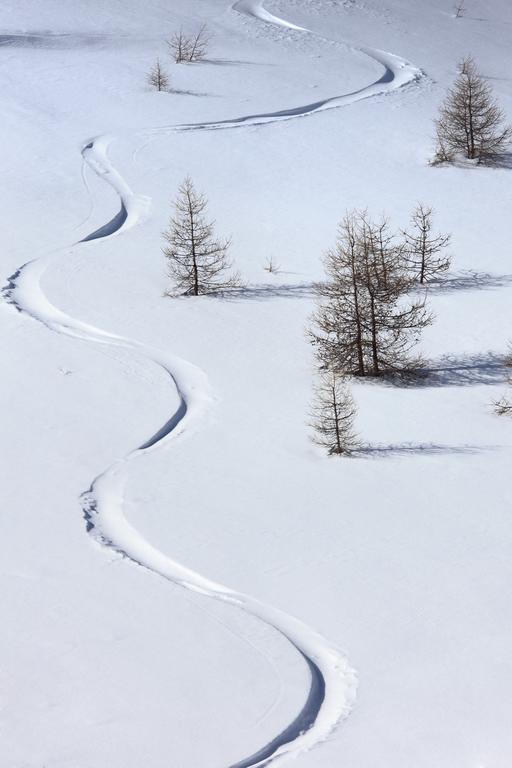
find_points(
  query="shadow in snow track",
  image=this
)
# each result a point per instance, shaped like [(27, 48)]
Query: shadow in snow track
[(303, 722), (388, 78), (110, 228), (167, 428)]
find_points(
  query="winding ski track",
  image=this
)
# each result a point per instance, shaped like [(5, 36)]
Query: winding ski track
[(398, 73), (332, 681)]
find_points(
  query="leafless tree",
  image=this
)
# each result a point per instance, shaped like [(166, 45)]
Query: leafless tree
[(460, 8), (194, 47), (470, 121), (364, 324), (158, 78), (198, 262), (199, 44), (179, 47), (332, 415), (422, 249)]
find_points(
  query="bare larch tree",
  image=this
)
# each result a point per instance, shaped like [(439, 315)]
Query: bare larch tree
[(364, 324), (179, 47), (332, 415), (470, 122), (157, 77), (197, 261), (423, 250), (184, 47)]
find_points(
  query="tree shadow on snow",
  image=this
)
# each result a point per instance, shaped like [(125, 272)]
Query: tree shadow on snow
[(500, 161), (485, 368), (415, 449), (232, 63), (469, 280), (267, 291), (60, 40), (503, 160), (180, 92)]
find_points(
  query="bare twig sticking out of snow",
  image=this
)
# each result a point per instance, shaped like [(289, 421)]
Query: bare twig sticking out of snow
[(272, 266), (460, 9)]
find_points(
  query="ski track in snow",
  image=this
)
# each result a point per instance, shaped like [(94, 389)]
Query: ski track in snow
[(398, 73), (333, 682)]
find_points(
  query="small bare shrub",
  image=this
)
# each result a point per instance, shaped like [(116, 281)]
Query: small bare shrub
[(158, 78)]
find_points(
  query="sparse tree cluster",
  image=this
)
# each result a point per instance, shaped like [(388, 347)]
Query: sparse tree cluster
[(470, 122), (365, 323), (198, 262), (182, 48), (370, 313), (194, 47)]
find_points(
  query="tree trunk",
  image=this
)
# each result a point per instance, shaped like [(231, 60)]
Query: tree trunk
[(359, 334), (193, 247), (471, 126), (375, 352), (423, 257), (336, 420)]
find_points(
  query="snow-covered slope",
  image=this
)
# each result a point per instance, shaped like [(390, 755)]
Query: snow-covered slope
[(400, 558)]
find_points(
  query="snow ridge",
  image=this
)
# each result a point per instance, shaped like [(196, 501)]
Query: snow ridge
[(333, 682)]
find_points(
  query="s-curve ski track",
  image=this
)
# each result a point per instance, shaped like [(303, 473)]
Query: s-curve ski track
[(332, 681)]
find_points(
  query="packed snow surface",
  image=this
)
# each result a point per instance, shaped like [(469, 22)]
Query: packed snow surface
[(173, 432)]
